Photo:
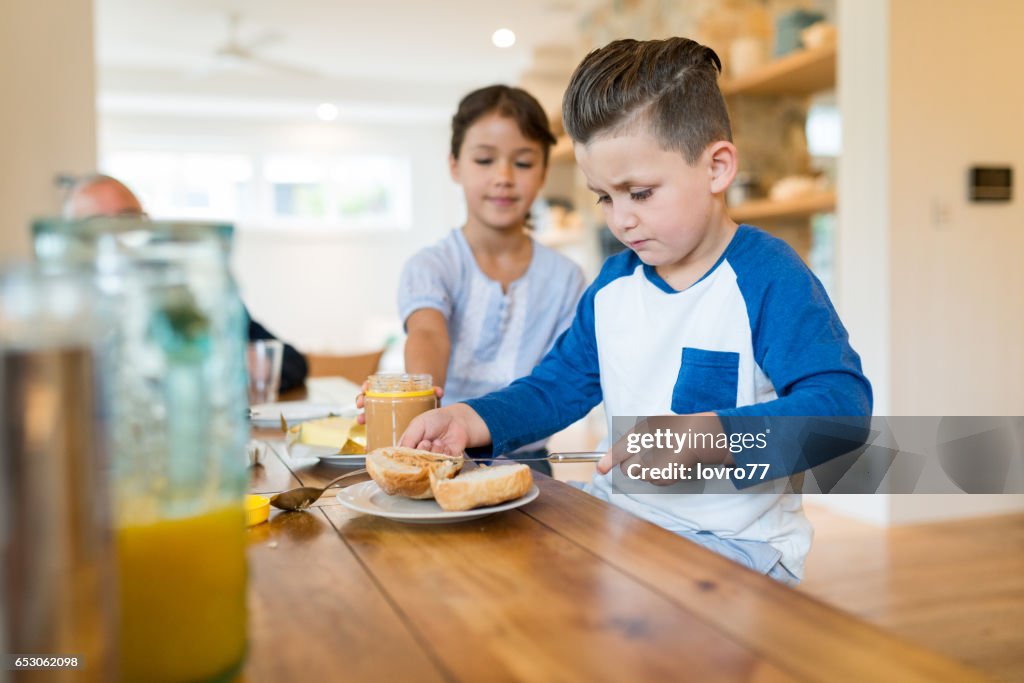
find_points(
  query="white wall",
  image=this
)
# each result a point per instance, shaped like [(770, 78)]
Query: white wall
[(956, 99), (862, 240), (47, 119), (930, 285), (957, 283)]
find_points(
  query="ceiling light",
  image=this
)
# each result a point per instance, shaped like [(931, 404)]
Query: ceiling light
[(503, 37), (326, 111)]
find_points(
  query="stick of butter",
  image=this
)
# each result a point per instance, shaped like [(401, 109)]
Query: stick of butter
[(335, 432)]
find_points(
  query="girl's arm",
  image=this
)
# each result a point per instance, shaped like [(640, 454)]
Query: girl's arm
[(428, 347)]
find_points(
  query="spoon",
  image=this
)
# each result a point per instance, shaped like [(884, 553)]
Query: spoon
[(304, 496)]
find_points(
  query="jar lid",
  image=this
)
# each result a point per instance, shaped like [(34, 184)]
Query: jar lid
[(399, 394), (399, 384), (257, 509)]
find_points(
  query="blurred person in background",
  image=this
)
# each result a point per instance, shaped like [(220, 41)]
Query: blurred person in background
[(102, 195)]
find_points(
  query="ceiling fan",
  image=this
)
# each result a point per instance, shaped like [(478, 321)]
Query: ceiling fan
[(238, 53)]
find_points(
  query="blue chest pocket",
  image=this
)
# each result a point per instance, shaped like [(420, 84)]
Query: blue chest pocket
[(707, 381)]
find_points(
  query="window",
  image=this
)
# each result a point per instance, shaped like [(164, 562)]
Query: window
[(372, 192), (824, 130), (293, 191), (190, 186), (298, 188)]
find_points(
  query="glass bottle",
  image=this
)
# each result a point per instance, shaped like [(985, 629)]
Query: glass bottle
[(57, 592), (178, 397)]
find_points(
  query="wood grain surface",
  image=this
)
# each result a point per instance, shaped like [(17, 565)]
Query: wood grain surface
[(567, 588)]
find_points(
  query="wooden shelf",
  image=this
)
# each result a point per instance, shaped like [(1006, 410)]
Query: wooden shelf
[(562, 151), (561, 238), (799, 73), (798, 207)]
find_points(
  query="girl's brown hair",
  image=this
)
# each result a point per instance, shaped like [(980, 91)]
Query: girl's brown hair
[(515, 103)]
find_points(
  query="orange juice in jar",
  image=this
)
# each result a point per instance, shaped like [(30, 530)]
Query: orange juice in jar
[(182, 596), (177, 410)]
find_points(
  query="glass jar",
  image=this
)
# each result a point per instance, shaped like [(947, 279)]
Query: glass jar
[(57, 591), (178, 397), (391, 401)]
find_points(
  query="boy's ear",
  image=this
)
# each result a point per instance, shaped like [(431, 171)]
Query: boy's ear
[(723, 164), (453, 167)]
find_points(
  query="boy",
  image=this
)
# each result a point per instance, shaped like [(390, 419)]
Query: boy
[(699, 317)]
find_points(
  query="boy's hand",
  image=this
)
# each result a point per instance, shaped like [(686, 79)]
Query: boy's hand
[(706, 423), (447, 430), (617, 456), (607, 462), (361, 401)]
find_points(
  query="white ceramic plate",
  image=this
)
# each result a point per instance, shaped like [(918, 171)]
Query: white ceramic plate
[(369, 499), (326, 454), (269, 414)]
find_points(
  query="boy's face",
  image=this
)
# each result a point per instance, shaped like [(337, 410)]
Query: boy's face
[(500, 171), (668, 211)]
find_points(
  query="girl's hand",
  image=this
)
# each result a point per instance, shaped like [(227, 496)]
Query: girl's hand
[(361, 401)]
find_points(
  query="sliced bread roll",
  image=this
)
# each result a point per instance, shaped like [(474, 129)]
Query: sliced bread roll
[(482, 486), (406, 471)]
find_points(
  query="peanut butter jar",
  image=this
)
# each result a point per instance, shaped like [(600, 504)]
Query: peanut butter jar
[(392, 400)]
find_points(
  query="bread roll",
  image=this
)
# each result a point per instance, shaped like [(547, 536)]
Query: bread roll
[(406, 471), (482, 486)]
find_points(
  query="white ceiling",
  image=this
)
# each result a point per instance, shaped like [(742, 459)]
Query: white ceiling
[(415, 42)]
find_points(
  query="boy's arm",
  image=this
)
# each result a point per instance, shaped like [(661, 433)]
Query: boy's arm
[(812, 366), (801, 345), (428, 346), (560, 390), (798, 339)]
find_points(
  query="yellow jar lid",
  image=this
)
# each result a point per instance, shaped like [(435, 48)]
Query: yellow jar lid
[(257, 509), (399, 394)]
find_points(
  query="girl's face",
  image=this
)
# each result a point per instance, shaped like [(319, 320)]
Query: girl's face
[(500, 171)]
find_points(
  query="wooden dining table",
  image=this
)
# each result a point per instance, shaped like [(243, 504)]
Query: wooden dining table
[(566, 588)]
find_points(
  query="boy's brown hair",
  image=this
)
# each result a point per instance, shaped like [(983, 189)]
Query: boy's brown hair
[(669, 85)]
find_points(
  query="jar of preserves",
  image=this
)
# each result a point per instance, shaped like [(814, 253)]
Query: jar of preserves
[(392, 400)]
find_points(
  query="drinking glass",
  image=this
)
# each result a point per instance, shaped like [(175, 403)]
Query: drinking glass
[(264, 364)]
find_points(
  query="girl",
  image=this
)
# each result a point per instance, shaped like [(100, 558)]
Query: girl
[(484, 305)]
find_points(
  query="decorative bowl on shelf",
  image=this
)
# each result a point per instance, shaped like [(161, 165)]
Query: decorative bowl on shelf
[(818, 35)]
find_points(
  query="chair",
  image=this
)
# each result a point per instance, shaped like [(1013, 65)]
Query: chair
[(355, 368)]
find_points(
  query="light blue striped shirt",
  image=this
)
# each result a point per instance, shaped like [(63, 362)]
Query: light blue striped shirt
[(496, 337)]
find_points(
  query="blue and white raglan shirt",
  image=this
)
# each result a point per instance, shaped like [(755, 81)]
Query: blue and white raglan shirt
[(496, 336), (757, 335)]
